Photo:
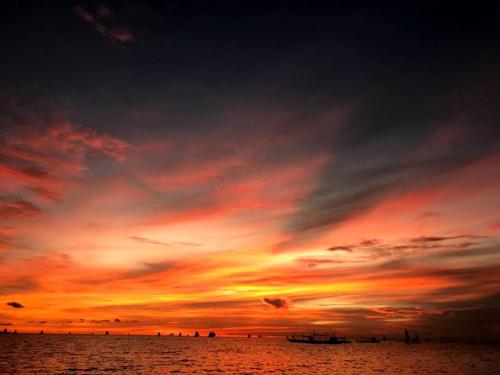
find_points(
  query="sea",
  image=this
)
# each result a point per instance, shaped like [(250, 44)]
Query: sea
[(85, 354)]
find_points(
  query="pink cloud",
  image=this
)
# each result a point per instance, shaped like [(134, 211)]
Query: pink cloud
[(105, 22), (495, 228)]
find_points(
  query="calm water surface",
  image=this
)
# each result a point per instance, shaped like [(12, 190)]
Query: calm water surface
[(75, 354)]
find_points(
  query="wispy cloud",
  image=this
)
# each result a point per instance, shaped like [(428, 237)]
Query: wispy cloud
[(105, 22)]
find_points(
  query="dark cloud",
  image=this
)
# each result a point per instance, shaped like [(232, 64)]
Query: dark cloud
[(371, 242), (12, 208), (424, 239), (149, 241), (100, 321), (370, 250), (278, 303), (341, 248), (150, 269), (19, 284), (15, 305)]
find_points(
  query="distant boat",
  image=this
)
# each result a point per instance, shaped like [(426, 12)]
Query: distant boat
[(318, 339), (409, 340), (106, 333), (197, 334), (211, 334), (368, 340), (41, 332), (158, 334), (416, 339)]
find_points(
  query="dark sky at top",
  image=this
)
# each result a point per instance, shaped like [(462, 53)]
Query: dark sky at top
[(199, 56)]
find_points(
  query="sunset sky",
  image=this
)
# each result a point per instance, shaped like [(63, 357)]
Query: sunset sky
[(253, 166)]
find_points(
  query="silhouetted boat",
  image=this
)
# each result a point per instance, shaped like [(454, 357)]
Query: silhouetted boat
[(106, 333), (368, 340), (317, 339), (197, 334), (211, 334), (409, 340), (416, 339)]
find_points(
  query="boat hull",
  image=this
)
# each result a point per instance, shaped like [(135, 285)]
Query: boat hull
[(324, 342)]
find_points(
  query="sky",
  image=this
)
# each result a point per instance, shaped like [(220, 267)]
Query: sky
[(249, 167)]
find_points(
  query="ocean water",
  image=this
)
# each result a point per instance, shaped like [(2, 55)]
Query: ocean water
[(79, 354)]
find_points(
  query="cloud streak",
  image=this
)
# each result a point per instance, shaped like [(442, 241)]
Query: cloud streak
[(104, 22)]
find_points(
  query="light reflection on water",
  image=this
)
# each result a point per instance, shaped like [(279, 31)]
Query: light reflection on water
[(60, 354)]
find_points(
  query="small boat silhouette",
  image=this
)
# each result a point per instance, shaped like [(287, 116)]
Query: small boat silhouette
[(197, 334), (317, 339), (211, 334), (409, 340), (368, 340)]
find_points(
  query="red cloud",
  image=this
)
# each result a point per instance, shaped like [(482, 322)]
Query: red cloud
[(104, 22), (495, 227), (17, 209)]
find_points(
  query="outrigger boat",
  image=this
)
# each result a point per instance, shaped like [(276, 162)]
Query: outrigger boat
[(317, 339), (368, 340)]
